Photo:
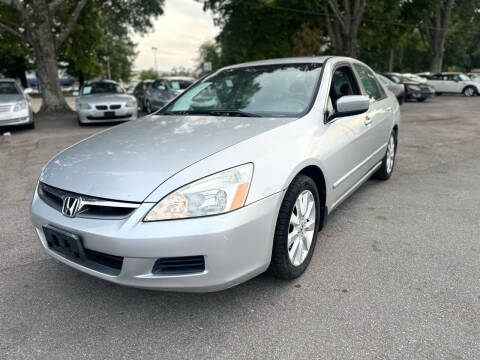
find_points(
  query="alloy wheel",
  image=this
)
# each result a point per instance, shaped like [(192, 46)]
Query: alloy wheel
[(469, 91), (390, 154), (301, 228)]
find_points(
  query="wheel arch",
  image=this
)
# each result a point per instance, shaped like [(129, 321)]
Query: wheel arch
[(472, 86), (318, 177)]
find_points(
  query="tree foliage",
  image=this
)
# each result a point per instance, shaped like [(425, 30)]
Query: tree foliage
[(63, 29), (393, 35)]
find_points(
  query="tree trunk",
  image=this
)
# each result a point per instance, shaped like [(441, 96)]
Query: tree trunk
[(436, 32), (342, 25), (43, 45), (390, 61)]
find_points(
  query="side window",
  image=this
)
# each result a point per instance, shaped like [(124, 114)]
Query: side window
[(372, 87), (343, 83)]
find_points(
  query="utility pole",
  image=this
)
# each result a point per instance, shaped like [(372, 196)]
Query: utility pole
[(155, 56)]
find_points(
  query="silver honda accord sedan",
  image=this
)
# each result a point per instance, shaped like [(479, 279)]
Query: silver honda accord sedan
[(235, 176)]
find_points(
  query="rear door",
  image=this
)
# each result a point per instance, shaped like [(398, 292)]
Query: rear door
[(379, 117)]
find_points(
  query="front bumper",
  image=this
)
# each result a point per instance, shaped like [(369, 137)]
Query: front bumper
[(16, 118), (236, 246), (98, 116)]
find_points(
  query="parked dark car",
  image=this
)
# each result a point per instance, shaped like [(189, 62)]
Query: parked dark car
[(413, 89), (397, 89), (140, 92), (164, 90)]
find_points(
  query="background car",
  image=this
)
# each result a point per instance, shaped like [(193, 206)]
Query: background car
[(415, 77), (15, 105), (140, 92), (454, 83), (413, 89), (105, 101), (397, 89), (164, 90)]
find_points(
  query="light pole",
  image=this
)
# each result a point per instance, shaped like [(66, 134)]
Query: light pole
[(155, 56)]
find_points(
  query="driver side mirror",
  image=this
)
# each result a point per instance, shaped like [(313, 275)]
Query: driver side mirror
[(27, 91), (75, 93), (162, 88), (349, 105)]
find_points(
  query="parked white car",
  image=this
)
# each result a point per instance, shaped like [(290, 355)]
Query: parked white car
[(453, 82)]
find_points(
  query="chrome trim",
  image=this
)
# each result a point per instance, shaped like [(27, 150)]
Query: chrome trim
[(345, 177), (355, 186)]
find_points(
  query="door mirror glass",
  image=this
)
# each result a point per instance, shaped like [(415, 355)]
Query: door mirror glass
[(352, 105)]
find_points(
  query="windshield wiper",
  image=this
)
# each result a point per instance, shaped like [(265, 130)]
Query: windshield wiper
[(228, 112), (221, 112)]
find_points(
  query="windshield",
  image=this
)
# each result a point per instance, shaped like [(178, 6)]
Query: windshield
[(268, 90), (8, 88), (179, 84), (102, 88)]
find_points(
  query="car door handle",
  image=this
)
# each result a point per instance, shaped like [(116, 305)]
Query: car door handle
[(389, 108), (368, 121)]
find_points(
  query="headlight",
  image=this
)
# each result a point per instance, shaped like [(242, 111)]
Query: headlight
[(22, 105), (84, 106), (414, 87), (215, 194), (131, 104)]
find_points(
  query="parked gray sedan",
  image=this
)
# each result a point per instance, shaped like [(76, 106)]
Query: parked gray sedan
[(235, 176), (164, 90), (105, 101), (15, 105)]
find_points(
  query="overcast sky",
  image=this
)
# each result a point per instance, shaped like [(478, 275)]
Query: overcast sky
[(177, 34)]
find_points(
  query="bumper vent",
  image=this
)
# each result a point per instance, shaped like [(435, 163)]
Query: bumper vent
[(179, 265)]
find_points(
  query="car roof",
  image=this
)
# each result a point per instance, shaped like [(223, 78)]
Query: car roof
[(291, 60), (102, 81), (187, 78), (7, 80)]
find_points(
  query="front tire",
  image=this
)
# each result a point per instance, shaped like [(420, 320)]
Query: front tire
[(388, 162), (296, 230), (469, 91)]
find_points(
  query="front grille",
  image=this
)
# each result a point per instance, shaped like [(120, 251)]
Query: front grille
[(102, 107), (109, 117), (179, 265), (96, 208), (115, 107), (5, 108)]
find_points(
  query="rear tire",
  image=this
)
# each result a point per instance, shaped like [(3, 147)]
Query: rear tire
[(388, 162), (296, 230)]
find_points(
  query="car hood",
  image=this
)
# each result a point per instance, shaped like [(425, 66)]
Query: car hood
[(105, 98), (129, 161), (10, 98)]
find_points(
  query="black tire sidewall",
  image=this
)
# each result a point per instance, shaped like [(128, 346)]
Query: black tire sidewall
[(281, 265)]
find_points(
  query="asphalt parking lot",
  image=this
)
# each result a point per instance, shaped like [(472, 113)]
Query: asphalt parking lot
[(395, 275)]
